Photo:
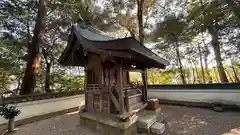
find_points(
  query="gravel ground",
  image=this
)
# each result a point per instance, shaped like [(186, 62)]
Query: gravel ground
[(183, 120), (180, 120)]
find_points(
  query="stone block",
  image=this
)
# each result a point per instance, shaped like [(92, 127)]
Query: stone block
[(153, 104), (160, 117), (155, 111), (157, 128), (144, 122), (218, 109)]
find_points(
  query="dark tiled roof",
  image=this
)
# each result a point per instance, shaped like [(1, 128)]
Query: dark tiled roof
[(92, 39)]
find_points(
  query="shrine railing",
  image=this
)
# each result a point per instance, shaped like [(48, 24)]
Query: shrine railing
[(133, 97), (97, 88)]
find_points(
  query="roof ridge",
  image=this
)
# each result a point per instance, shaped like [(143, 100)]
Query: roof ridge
[(83, 25)]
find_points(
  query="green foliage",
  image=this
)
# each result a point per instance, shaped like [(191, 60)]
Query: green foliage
[(5, 83), (157, 76), (171, 29), (169, 21), (11, 62), (9, 112), (67, 82)]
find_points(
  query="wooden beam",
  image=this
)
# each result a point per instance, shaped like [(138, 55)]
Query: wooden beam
[(126, 100), (120, 80), (133, 70), (144, 79), (131, 112), (114, 100), (85, 87), (106, 54), (128, 77)]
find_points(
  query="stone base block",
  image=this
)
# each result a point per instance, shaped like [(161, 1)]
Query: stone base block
[(157, 128), (106, 125), (144, 122), (160, 117), (158, 112), (153, 104)]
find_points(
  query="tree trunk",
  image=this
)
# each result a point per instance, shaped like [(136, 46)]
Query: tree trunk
[(47, 79), (201, 63), (18, 83), (206, 64), (48, 70), (194, 76), (34, 56), (216, 47), (234, 72), (216, 75), (206, 52), (180, 63), (28, 32), (140, 20), (196, 70), (131, 32), (230, 79)]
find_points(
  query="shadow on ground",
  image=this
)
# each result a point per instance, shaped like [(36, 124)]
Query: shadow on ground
[(180, 120)]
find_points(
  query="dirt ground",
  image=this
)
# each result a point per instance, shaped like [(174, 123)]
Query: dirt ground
[(183, 120), (180, 120)]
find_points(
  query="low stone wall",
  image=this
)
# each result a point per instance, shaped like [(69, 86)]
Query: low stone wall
[(224, 96), (35, 108), (12, 98)]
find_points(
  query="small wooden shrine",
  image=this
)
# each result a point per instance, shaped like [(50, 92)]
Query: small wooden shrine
[(107, 62)]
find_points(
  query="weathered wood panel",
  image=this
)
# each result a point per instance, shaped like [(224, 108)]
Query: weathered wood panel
[(89, 102), (135, 99), (93, 88), (106, 103), (95, 64), (96, 102)]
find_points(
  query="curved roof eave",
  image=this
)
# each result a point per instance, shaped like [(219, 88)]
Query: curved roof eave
[(92, 39)]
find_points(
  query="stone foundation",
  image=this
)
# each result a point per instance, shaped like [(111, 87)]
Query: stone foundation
[(145, 121), (106, 125)]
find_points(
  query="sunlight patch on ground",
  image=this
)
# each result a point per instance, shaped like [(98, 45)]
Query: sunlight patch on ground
[(235, 131), (71, 113), (189, 123)]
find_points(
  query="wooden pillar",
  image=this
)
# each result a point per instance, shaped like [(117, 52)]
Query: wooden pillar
[(127, 101), (144, 79), (101, 84), (121, 100), (128, 77), (85, 87)]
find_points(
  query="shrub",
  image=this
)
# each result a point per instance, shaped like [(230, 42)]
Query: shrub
[(9, 112)]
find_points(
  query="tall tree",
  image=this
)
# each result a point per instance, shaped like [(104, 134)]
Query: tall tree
[(172, 30), (196, 44), (201, 62), (34, 55), (211, 16), (140, 20), (206, 53)]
